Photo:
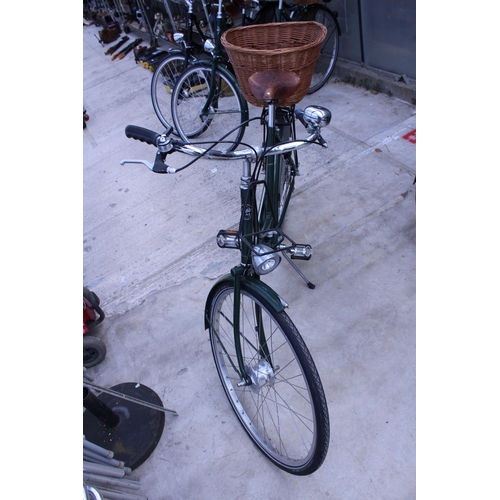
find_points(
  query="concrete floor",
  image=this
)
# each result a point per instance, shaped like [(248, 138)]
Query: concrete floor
[(150, 255)]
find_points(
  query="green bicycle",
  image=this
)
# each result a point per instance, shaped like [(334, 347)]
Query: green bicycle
[(263, 363)]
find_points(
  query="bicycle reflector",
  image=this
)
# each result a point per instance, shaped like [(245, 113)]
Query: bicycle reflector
[(264, 260), (228, 239)]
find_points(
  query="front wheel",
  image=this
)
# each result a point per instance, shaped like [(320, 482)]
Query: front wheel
[(284, 409), (208, 107)]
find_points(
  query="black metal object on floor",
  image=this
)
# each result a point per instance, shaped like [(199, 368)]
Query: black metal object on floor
[(130, 430)]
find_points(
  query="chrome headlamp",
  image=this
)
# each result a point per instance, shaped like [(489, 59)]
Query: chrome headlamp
[(317, 115), (264, 259)]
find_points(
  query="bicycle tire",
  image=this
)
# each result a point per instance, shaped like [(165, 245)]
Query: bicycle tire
[(284, 403), (329, 48), (227, 112), (162, 85)]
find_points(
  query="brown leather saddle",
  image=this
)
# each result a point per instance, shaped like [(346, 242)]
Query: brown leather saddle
[(273, 85)]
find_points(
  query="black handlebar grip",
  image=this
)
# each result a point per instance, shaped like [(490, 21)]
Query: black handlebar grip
[(141, 134)]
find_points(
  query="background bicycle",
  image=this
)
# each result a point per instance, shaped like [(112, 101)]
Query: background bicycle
[(208, 102), (186, 52)]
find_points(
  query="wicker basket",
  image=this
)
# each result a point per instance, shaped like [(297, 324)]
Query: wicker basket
[(292, 46)]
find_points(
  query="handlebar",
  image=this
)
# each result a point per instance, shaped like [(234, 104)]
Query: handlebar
[(142, 134), (313, 118)]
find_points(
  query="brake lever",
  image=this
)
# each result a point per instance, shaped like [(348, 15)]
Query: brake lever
[(163, 143), (159, 166), (143, 162)]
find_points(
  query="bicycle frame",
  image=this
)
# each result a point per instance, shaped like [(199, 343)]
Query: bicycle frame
[(191, 23), (217, 60), (259, 228), (259, 233), (280, 126)]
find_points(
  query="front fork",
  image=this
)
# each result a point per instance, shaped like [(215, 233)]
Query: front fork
[(237, 273), (246, 228), (262, 348), (211, 101), (216, 55)]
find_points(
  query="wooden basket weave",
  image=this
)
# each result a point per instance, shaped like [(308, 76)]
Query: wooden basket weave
[(292, 46)]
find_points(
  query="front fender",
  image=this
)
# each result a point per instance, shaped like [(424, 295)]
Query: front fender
[(257, 286)]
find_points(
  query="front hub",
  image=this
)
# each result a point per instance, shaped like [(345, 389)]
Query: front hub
[(261, 374)]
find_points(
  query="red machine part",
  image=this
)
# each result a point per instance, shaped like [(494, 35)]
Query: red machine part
[(89, 314)]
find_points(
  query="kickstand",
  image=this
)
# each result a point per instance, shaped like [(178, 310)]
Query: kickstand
[(312, 286)]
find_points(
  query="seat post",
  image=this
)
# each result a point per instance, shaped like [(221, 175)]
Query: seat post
[(271, 117)]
